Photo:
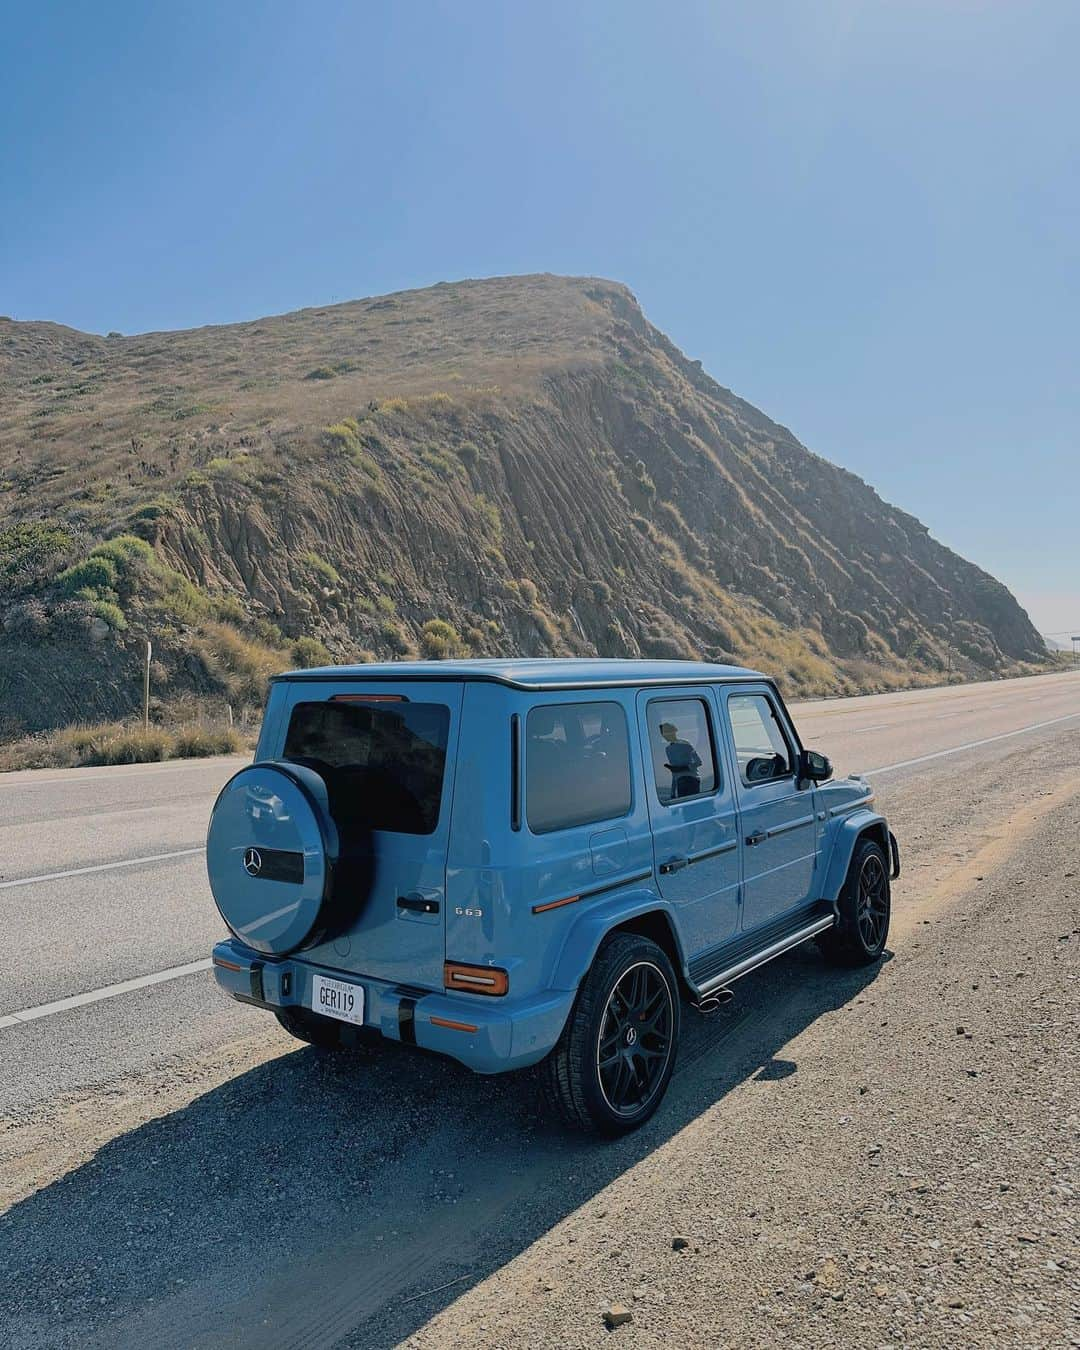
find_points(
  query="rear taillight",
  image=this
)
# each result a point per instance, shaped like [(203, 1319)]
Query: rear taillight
[(475, 979), (368, 698)]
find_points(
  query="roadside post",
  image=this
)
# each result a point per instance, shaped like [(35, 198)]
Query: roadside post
[(146, 689)]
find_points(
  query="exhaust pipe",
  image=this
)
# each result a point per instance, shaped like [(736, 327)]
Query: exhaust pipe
[(714, 1002)]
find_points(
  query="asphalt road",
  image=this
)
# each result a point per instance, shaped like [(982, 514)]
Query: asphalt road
[(394, 1161), (122, 893)]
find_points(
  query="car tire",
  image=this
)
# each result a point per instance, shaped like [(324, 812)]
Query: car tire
[(612, 1064), (865, 908)]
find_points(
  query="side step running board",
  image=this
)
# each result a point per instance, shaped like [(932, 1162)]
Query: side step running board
[(766, 954)]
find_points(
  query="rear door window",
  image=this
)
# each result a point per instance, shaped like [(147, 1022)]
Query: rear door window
[(577, 765), (382, 762), (761, 745), (680, 738)]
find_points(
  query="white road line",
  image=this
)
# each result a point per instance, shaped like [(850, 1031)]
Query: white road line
[(102, 867), (970, 745), (882, 726), (9, 780), (96, 995)]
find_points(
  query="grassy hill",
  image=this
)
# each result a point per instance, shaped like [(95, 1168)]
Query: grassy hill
[(519, 465)]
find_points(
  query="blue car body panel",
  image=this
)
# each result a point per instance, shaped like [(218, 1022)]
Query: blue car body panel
[(486, 890)]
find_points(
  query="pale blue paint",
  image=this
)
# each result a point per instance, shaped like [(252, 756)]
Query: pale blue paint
[(489, 879)]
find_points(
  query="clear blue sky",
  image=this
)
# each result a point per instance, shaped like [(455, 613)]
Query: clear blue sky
[(863, 217)]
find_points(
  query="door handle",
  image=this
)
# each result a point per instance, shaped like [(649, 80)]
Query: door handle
[(758, 837), (417, 903), (673, 865)]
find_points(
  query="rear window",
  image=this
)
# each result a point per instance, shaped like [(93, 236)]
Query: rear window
[(577, 765), (383, 764)]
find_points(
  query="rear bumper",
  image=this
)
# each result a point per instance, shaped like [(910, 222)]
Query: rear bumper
[(487, 1035)]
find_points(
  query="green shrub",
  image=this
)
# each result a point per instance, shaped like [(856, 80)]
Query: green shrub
[(29, 551), (320, 373), (326, 571), (439, 640), (439, 462), (234, 470), (344, 437), (124, 550), (630, 375), (386, 604), (395, 639), (228, 608), (155, 510), (527, 590), (489, 514), (112, 614), (94, 573), (182, 599), (309, 651), (469, 453)]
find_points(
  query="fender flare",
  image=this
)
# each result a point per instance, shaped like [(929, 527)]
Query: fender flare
[(589, 929), (853, 827)]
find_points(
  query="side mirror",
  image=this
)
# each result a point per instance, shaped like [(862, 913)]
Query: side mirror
[(814, 766)]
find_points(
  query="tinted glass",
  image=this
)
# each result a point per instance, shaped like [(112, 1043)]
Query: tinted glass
[(577, 765), (760, 745), (382, 763), (682, 749)]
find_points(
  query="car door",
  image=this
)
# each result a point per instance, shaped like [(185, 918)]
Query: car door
[(388, 760), (692, 812), (776, 814)]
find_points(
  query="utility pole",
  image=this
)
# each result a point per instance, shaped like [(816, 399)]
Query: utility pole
[(1076, 650), (146, 689)]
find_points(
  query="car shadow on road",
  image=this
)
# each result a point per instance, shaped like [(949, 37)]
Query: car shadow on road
[(325, 1199)]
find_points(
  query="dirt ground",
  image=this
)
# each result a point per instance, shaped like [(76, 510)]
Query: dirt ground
[(903, 1172)]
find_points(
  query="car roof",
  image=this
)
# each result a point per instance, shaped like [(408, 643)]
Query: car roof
[(537, 673)]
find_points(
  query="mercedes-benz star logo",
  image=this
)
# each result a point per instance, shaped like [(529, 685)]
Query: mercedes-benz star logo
[(252, 862)]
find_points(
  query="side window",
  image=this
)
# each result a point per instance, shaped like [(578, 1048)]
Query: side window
[(577, 765), (680, 738), (760, 744)]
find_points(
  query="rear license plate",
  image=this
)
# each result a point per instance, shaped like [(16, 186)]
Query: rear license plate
[(338, 998)]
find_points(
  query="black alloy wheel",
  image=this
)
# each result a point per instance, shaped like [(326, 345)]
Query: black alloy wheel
[(873, 900), (614, 1060), (634, 1044), (864, 908)]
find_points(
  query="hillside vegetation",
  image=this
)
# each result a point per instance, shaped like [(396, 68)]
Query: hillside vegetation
[(521, 465)]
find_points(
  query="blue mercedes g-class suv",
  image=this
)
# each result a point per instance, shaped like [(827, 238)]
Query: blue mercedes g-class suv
[(516, 861)]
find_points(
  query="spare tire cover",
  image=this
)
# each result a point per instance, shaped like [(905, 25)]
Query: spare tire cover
[(271, 854)]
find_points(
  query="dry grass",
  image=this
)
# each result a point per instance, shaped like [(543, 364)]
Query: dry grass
[(118, 743), (241, 664)]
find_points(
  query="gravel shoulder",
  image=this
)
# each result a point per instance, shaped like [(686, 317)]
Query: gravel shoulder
[(904, 1171), (847, 1167)]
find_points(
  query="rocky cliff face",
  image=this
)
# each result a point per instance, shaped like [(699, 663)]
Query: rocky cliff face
[(523, 465)]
